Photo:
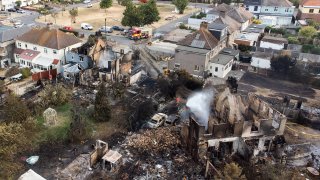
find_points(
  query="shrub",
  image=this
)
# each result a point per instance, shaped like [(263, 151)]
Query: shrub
[(315, 50), (54, 96), (256, 21), (293, 40), (183, 26), (26, 72), (199, 16), (306, 48)]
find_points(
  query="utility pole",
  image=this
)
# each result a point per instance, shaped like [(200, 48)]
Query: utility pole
[(105, 27)]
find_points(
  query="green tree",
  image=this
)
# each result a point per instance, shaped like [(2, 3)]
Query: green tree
[(281, 63), (73, 14), (18, 4), (308, 32), (181, 5), (124, 2), (132, 16), (102, 110), (44, 12), (15, 110), (26, 72), (105, 4), (293, 40), (15, 138), (78, 127), (150, 12), (54, 95)]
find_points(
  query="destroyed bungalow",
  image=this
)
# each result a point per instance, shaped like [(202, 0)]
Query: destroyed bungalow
[(240, 124)]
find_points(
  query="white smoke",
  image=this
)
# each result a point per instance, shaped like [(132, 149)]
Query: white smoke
[(199, 104)]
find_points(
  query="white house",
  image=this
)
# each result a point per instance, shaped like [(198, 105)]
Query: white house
[(261, 60), (9, 4), (276, 43), (221, 64), (44, 49), (271, 12)]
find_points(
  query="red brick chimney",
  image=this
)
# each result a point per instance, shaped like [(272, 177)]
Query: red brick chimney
[(204, 25)]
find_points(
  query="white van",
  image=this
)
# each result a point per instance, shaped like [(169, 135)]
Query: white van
[(86, 26), (106, 29), (16, 77)]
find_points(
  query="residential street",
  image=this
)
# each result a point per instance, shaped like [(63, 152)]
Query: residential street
[(30, 19)]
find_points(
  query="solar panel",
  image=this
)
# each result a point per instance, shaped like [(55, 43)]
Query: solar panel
[(198, 44)]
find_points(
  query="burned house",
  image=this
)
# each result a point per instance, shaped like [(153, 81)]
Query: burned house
[(238, 124), (114, 62)]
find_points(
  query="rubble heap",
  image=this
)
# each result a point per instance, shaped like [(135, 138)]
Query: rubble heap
[(157, 154), (161, 140)]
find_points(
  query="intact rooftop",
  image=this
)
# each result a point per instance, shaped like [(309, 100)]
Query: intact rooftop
[(222, 59)]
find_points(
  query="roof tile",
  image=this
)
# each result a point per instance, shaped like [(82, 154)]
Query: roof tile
[(50, 38)]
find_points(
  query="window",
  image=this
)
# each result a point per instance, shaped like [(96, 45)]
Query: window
[(216, 69), (196, 68), (210, 67), (255, 8), (266, 9), (72, 57), (45, 50), (54, 51), (19, 44), (319, 10), (81, 59), (177, 66), (311, 10), (287, 10), (275, 8), (35, 48), (26, 45)]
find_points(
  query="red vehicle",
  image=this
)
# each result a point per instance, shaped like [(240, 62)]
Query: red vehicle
[(137, 33), (67, 28)]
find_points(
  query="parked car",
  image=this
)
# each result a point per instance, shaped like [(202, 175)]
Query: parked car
[(16, 77), (21, 11), (86, 26), (117, 28), (12, 10), (89, 5), (106, 29), (2, 78), (172, 120), (157, 120), (67, 28), (87, 1), (158, 35), (17, 24), (168, 18)]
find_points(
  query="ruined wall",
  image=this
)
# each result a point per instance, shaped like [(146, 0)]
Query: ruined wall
[(264, 112)]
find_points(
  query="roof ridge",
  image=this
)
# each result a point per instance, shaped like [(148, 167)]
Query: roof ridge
[(205, 36), (57, 36)]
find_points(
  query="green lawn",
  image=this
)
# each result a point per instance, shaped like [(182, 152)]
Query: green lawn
[(59, 132)]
